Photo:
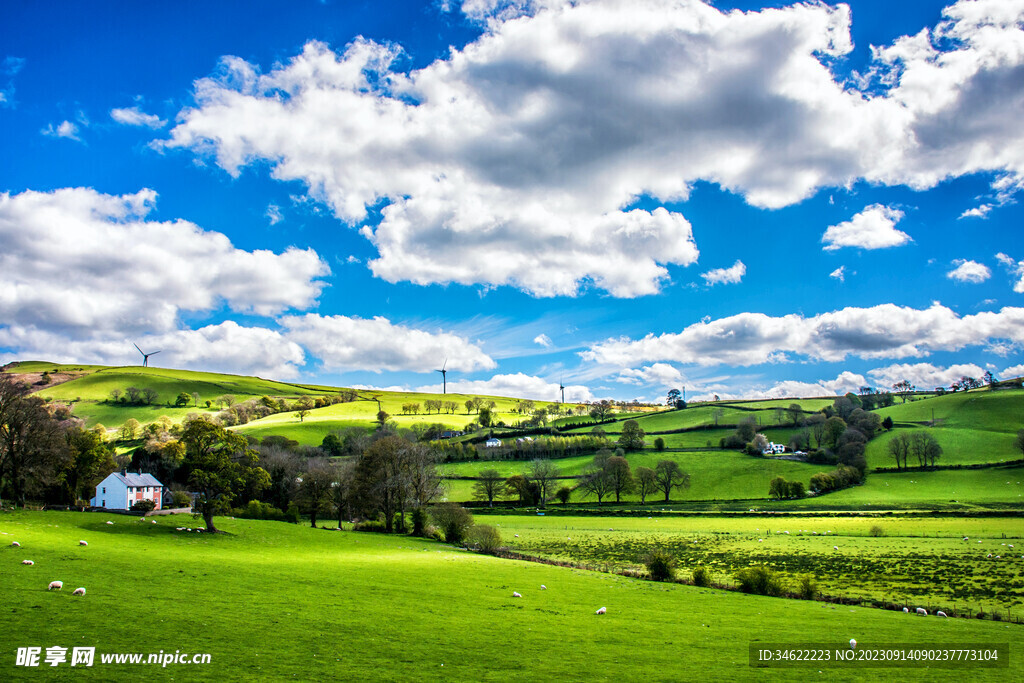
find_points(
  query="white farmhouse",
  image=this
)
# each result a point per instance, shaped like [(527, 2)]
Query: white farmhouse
[(774, 449), (121, 490), (493, 443)]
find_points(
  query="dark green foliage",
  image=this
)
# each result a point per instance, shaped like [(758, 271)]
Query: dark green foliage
[(453, 520), (563, 494), (876, 531), (144, 505), (632, 437), (419, 522), (701, 577), (259, 510), (484, 538), (661, 564), (887, 423), (807, 587), (759, 580), (292, 514), (659, 444), (839, 478)]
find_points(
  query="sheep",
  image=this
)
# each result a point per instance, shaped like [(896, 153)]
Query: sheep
[(153, 521), (835, 547), (55, 585), (543, 587), (516, 595), (28, 562), (853, 644), (603, 610), (940, 614), (82, 543), (79, 591), (109, 522), (15, 544), (905, 610), (922, 611)]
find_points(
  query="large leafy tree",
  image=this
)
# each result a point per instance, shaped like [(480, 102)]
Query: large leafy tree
[(669, 475), (488, 486), (89, 461), (220, 466), (632, 437), (32, 445)]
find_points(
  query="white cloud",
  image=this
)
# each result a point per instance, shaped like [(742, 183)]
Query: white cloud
[(65, 129), (136, 117), (660, 374), (225, 347), (377, 344), (844, 383), (923, 375), (977, 212), (730, 275), (9, 68), (274, 214), (80, 261), (543, 340), (839, 274), (1013, 371), (516, 385), (969, 271), (1015, 268), (884, 331), (872, 228)]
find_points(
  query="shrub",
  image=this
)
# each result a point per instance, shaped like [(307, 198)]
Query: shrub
[(144, 505), (181, 499), (419, 522), (563, 494), (661, 565), (701, 577), (876, 531), (808, 587), (259, 510), (485, 538), (759, 580), (453, 520), (292, 514), (375, 525), (659, 444)]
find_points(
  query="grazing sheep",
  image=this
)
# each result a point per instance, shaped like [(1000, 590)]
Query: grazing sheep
[(15, 544), (82, 543), (55, 585), (153, 521), (543, 587), (940, 614), (835, 547), (517, 535), (853, 644), (28, 562), (905, 610), (109, 522), (922, 611), (79, 591), (516, 595), (601, 611)]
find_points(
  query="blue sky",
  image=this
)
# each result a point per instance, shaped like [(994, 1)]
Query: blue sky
[(742, 199)]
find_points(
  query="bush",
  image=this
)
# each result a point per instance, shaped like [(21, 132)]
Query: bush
[(876, 531), (259, 510), (701, 577), (453, 520), (659, 444), (808, 587), (563, 494), (759, 580), (374, 525), (419, 522), (661, 565), (485, 538), (292, 514), (144, 505)]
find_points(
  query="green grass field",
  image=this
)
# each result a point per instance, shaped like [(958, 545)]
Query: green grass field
[(272, 601)]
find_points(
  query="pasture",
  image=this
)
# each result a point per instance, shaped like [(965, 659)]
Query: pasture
[(268, 600)]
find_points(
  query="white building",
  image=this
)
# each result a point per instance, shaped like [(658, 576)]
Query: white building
[(493, 443), (121, 490), (774, 449)]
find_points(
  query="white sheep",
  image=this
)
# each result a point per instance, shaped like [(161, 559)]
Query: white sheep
[(15, 544), (516, 595), (28, 562), (835, 547), (55, 585), (601, 611), (543, 587), (922, 611), (79, 591), (82, 543), (109, 522), (905, 610), (853, 644), (153, 521), (940, 614)]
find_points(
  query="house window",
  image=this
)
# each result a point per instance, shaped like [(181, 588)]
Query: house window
[(104, 489), (104, 504)]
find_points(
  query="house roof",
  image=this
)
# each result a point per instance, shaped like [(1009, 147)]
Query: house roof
[(131, 479)]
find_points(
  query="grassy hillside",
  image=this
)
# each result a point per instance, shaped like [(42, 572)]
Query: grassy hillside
[(272, 601)]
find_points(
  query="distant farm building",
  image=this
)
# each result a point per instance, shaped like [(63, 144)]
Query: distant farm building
[(774, 449), (121, 490), (493, 443), (450, 434)]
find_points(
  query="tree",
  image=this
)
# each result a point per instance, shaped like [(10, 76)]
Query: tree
[(646, 482), (315, 495), (32, 447), (668, 475), (887, 423), (904, 388), (453, 520), (563, 494), (89, 461), (220, 465), (601, 410), (302, 413), (673, 396), (488, 486), (379, 479), (485, 417), (597, 482), (183, 399), (816, 423), (778, 488), (526, 490), (989, 378), (620, 475), (925, 448), (382, 419), (632, 437), (543, 473), (834, 428), (899, 448), (130, 429)]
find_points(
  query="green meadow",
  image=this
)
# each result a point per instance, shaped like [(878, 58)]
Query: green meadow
[(268, 600)]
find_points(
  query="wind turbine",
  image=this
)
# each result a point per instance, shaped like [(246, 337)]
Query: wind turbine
[(444, 376), (561, 388), (145, 356)]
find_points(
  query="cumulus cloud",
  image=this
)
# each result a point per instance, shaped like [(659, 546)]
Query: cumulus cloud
[(844, 383), (274, 214), (661, 374), (80, 261), (1013, 371), (377, 344), (969, 271), (224, 347), (1015, 268), (543, 340), (884, 331), (977, 212), (730, 275), (65, 129), (923, 375), (872, 228), (515, 385), (136, 117), (8, 70), (839, 274)]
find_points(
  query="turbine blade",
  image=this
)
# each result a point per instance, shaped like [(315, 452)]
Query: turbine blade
[(137, 348)]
